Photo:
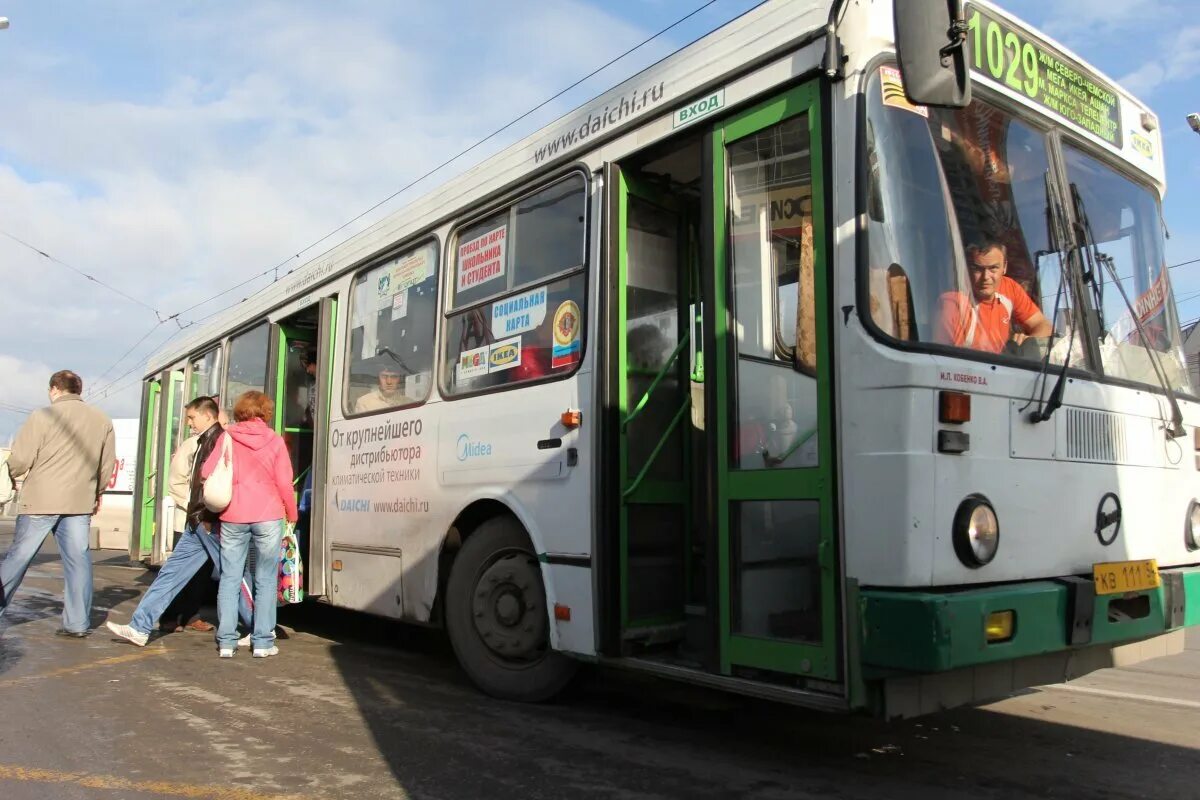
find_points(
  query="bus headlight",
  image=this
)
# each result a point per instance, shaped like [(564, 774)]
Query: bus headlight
[(976, 531), (1191, 527)]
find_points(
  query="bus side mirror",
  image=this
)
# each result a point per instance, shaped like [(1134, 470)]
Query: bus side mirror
[(931, 45)]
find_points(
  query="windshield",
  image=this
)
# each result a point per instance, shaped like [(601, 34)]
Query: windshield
[(962, 251), (1121, 234), (959, 249)]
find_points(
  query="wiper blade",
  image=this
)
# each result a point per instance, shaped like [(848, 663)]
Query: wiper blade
[(1174, 428), (1059, 236)]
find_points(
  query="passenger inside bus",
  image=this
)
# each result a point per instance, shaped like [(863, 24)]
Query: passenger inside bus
[(388, 394), (998, 310)]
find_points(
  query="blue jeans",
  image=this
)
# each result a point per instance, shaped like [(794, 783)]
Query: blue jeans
[(194, 548), (235, 543), (71, 533)]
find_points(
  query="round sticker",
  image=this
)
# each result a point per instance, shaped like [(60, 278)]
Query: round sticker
[(566, 323)]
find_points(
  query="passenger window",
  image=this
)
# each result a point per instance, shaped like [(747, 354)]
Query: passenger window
[(393, 311), (247, 365), (519, 292), (536, 238), (206, 375)]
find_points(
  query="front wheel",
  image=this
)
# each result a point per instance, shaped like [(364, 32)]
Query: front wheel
[(497, 619)]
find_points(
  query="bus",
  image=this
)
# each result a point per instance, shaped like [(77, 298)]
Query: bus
[(833, 359)]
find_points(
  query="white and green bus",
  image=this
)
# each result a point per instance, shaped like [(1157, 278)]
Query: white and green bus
[(832, 359)]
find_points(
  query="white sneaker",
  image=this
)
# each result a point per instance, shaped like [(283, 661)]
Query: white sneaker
[(244, 641), (128, 634), (226, 652), (270, 651)]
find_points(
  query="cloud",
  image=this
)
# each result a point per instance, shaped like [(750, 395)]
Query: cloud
[(1179, 61), (196, 149)]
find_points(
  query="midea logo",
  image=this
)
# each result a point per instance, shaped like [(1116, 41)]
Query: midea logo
[(468, 449)]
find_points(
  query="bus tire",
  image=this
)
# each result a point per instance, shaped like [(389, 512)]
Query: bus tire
[(497, 619)]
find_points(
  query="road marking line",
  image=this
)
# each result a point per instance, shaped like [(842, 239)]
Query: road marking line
[(115, 783), (104, 662), (1149, 698)]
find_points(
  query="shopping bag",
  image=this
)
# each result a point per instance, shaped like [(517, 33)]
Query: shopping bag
[(218, 487), (291, 569)]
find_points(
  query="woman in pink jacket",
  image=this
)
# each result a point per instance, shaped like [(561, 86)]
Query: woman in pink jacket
[(263, 497)]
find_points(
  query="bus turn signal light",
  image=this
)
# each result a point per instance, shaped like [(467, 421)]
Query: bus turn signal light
[(572, 418), (954, 407), (562, 613), (1000, 626)]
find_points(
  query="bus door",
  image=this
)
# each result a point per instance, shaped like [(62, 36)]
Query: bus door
[(654, 242), (152, 530), (141, 543), (301, 384), (769, 390), (171, 411)]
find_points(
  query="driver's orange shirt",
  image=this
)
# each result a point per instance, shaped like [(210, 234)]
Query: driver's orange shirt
[(989, 324)]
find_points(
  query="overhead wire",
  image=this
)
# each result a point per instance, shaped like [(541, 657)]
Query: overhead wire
[(457, 155), (275, 269), (86, 275)]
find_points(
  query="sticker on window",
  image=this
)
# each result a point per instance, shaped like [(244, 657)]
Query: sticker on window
[(410, 270), (473, 363), (566, 350), (400, 304), (505, 355), (893, 92), (482, 259), (519, 314), (383, 290)]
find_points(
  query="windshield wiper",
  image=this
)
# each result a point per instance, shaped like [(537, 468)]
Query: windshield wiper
[(1174, 428), (1059, 236)]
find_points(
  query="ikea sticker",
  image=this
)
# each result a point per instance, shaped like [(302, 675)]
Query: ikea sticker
[(519, 314), (472, 363), (1142, 146), (505, 355)]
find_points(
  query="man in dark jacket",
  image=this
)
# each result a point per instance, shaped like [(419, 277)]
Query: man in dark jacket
[(196, 546)]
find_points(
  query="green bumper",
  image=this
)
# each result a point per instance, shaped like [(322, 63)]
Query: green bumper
[(932, 632)]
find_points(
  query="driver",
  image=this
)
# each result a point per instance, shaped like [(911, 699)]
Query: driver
[(999, 310), (386, 395)]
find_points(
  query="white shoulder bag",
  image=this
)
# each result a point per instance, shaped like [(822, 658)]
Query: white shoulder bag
[(218, 487)]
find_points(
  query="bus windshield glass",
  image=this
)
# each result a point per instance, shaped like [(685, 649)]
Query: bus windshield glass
[(963, 252), (1124, 253), (959, 250)]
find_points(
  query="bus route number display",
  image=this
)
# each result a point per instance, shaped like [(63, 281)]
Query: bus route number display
[(1011, 56)]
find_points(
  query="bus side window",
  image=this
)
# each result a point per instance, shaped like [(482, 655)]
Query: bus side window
[(393, 313), (518, 292)]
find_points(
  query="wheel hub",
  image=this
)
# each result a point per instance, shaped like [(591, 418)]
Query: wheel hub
[(507, 607)]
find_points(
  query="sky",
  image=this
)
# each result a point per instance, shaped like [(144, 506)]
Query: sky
[(171, 150)]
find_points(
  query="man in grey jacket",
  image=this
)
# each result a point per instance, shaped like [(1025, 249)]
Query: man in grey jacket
[(66, 452)]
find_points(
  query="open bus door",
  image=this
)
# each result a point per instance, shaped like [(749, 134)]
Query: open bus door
[(770, 391), (146, 488), (161, 411), (719, 401), (300, 379)]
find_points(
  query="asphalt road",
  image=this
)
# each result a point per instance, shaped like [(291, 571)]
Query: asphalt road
[(357, 708)]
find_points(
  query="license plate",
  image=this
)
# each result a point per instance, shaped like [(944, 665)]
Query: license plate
[(1118, 577)]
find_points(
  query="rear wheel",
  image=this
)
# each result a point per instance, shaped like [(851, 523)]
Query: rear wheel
[(497, 618)]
